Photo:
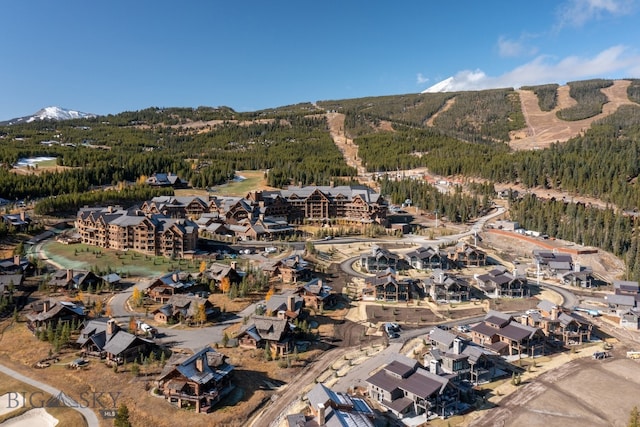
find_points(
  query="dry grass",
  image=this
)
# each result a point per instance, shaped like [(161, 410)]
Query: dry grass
[(19, 349), (36, 398)]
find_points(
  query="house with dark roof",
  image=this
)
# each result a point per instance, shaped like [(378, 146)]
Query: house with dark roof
[(16, 264), (200, 380), (466, 255), (266, 331), (443, 287), (558, 324), (219, 272), (427, 258), (284, 306), (335, 409), (164, 287), (73, 280), (499, 283), (458, 358), (553, 264), (404, 388), (386, 287), (500, 333), (45, 312), (10, 282), (379, 259), (184, 308), (165, 180), (105, 339), (19, 221), (288, 270), (316, 294)]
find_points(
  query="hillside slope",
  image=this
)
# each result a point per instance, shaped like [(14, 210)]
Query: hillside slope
[(545, 128)]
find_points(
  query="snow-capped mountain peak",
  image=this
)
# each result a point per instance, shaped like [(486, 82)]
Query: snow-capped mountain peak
[(58, 113), (443, 86), (50, 113)]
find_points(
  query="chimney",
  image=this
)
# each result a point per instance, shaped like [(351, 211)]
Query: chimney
[(457, 346), (69, 274), (321, 414), (46, 305), (576, 267), (16, 259), (23, 216), (175, 277), (441, 277), (234, 265), (291, 303), (434, 367), (200, 364), (112, 327)]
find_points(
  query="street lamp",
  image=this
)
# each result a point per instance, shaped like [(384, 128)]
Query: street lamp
[(436, 212)]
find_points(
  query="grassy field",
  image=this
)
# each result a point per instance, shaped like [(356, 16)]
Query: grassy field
[(131, 263), (66, 416), (254, 180)]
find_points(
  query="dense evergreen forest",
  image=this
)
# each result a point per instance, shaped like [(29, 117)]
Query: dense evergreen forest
[(459, 133)]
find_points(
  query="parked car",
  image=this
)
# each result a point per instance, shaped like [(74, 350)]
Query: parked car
[(601, 355)]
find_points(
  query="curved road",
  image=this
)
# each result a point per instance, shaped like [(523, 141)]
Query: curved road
[(88, 414)]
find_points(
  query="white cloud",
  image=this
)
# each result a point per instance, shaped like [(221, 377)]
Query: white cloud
[(420, 79), (514, 48), (614, 61), (576, 13)]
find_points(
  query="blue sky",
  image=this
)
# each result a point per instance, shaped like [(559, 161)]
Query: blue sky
[(117, 55)]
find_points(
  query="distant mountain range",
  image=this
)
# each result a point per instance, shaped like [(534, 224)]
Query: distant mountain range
[(49, 113), (443, 86)]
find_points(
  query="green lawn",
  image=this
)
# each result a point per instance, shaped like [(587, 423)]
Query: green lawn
[(131, 263)]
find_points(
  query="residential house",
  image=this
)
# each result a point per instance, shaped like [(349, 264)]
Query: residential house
[(164, 287), (105, 339), (292, 269), (466, 255), (219, 272), (335, 409), (443, 287), (186, 309), (200, 380), (284, 306), (70, 280), (316, 294), (557, 324), (620, 303), (427, 258), (18, 221), (379, 259), (455, 357), (45, 312), (265, 331), (10, 282), (498, 283), (553, 264), (112, 280), (404, 388), (500, 333), (165, 180), (582, 279), (386, 287), (626, 287), (630, 320), (16, 264)]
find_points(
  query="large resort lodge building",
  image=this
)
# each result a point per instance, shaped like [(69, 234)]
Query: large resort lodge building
[(165, 225)]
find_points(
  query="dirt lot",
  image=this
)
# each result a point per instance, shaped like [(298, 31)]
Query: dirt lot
[(583, 391)]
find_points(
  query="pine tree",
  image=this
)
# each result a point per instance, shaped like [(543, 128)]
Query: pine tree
[(634, 418), (122, 417)]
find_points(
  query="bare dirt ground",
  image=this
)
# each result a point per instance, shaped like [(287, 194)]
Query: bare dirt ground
[(545, 128), (346, 146)]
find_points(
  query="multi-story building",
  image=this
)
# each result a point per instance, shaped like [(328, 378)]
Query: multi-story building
[(120, 229)]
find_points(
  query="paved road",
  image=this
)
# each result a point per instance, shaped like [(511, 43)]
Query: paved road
[(296, 388), (88, 414), (193, 338)]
